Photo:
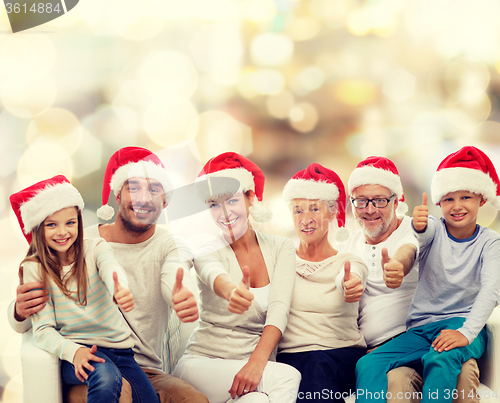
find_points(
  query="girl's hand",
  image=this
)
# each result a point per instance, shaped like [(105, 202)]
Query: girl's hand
[(82, 359), (241, 298), (353, 288), (420, 215), (247, 379), (122, 296), (448, 339)]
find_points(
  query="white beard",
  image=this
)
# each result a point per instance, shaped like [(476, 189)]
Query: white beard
[(382, 228)]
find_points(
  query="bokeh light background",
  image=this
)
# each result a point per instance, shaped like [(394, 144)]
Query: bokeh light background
[(286, 83)]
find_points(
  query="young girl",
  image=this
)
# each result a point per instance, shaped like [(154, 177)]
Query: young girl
[(80, 323)]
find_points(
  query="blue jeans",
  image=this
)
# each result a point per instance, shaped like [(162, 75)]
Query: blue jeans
[(105, 382), (440, 369), (326, 374)]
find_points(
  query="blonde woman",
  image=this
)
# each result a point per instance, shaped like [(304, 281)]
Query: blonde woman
[(246, 282)]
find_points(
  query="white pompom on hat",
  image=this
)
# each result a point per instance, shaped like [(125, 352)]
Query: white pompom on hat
[(379, 171), (468, 169), (248, 174), (35, 203), (319, 183), (127, 163)]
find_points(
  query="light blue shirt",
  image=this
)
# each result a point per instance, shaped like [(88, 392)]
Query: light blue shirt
[(457, 278)]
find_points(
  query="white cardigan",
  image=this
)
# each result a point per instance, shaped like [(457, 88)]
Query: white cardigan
[(222, 334)]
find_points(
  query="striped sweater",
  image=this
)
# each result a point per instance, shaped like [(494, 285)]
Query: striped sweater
[(62, 326)]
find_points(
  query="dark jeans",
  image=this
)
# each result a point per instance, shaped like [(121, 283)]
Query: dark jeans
[(327, 375), (105, 382)]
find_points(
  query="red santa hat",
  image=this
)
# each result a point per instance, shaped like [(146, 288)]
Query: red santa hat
[(379, 171), (248, 174), (319, 183), (35, 203), (126, 163), (467, 169)]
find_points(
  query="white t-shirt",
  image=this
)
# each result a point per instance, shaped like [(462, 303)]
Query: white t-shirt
[(261, 296), (382, 310)]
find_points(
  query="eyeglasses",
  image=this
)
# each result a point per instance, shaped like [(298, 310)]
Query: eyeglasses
[(379, 202)]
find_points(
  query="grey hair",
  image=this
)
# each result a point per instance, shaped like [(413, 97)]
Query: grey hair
[(332, 204)]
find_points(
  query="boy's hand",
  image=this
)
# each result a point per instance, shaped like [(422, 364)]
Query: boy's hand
[(184, 300), (420, 215), (30, 298), (394, 270), (122, 296), (353, 288), (448, 339), (82, 359), (241, 298)]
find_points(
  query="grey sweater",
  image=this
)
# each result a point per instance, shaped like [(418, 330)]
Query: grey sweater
[(151, 267), (222, 334)]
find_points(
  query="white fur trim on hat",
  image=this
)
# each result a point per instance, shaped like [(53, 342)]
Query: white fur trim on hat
[(241, 174), (47, 202), (105, 212), (141, 169), (341, 234), (369, 175), (449, 180), (310, 189), (401, 209)]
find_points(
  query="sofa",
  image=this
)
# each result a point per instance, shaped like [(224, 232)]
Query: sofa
[(42, 383)]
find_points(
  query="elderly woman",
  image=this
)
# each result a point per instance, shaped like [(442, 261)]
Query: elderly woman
[(322, 339), (246, 282)]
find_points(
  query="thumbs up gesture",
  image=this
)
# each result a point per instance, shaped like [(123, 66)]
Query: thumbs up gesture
[(353, 289), (420, 215), (393, 270), (122, 296), (241, 298), (183, 300)]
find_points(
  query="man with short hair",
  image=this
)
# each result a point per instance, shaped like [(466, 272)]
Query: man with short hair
[(156, 263), (387, 244)]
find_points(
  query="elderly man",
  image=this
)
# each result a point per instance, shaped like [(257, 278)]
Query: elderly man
[(155, 261), (389, 248)]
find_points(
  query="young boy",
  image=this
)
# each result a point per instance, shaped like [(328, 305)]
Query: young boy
[(459, 279)]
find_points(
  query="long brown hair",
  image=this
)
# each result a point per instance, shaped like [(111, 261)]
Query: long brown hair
[(51, 265)]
